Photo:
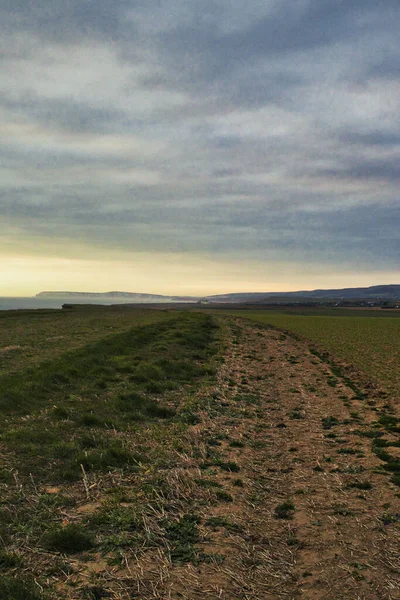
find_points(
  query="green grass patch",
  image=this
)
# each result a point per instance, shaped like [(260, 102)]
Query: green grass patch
[(70, 539), (182, 534), (284, 510), (16, 588)]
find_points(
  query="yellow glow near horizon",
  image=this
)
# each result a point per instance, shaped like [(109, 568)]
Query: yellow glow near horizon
[(172, 274)]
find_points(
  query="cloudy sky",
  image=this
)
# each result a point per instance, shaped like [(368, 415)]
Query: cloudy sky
[(178, 146)]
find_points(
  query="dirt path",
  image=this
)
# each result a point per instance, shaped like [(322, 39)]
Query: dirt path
[(308, 512)]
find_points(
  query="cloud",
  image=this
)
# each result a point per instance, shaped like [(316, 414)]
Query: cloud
[(260, 133)]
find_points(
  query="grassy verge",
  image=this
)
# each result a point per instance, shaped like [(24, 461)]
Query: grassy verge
[(105, 427), (31, 337)]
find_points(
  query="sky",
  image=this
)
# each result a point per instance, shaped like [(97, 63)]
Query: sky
[(186, 147)]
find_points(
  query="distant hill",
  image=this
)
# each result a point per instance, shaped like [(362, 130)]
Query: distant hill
[(381, 292), (114, 297), (377, 292)]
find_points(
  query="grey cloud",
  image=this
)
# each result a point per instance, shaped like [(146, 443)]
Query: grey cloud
[(264, 149), (375, 137), (68, 114), (380, 170), (66, 21)]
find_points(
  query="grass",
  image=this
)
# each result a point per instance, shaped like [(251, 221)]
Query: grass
[(225, 522), (28, 338), (223, 496), (13, 588), (361, 485), (71, 539), (182, 534), (329, 422), (112, 412), (284, 510), (64, 398)]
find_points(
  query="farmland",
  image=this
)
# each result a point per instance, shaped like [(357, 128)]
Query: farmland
[(370, 343), (192, 454)]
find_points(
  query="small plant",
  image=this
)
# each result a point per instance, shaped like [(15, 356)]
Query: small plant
[(329, 422), (293, 540), (361, 485), (236, 444), (182, 535), (396, 479), (95, 592), (230, 466), (18, 589), (238, 482), (389, 519), (8, 560), (70, 539), (207, 483), (60, 412), (223, 496), (388, 421), (284, 510)]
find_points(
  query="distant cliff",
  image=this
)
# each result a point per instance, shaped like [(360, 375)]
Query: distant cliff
[(114, 296)]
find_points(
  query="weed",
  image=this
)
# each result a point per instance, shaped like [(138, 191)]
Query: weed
[(71, 539), (230, 466), (207, 483), (236, 444), (292, 540), (284, 510), (388, 421), (182, 534), (396, 479), (258, 444), (223, 496), (389, 518), (361, 485), (8, 560), (18, 589), (329, 422), (95, 592), (238, 482), (296, 414), (220, 521)]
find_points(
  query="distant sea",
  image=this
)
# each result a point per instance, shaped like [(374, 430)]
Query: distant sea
[(19, 303)]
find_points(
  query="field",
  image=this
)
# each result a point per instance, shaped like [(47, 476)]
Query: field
[(28, 337), (360, 338), (172, 454)]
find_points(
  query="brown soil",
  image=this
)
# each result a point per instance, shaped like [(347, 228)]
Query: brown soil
[(336, 545)]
